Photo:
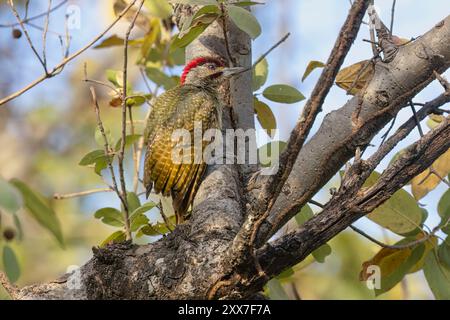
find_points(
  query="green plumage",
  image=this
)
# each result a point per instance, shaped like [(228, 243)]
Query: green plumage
[(177, 108)]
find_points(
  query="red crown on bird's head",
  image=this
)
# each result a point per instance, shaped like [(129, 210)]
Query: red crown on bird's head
[(198, 62)]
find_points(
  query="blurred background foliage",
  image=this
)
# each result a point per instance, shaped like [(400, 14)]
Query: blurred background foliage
[(46, 132)]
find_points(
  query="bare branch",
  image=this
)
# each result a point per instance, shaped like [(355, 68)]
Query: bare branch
[(58, 68), (59, 196), (121, 154)]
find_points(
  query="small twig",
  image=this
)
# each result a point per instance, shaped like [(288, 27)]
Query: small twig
[(166, 220), (27, 35), (392, 17), (443, 82), (10, 288), (107, 148), (58, 196), (317, 204), (121, 154), (372, 36), (419, 127), (58, 68), (396, 246), (26, 19), (44, 34), (386, 134), (135, 147), (276, 45)]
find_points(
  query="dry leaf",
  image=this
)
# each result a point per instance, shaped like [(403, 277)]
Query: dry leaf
[(425, 182), (355, 77)]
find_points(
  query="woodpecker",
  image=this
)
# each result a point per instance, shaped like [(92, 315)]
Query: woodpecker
[(195, 99)]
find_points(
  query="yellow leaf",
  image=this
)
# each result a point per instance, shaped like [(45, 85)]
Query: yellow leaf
[(425, 182), (355, 77), (265, 117), (310, 68)]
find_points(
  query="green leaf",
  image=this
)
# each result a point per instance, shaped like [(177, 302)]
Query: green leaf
[(438, 277), (44, 215), (159, 8), (400, 214), (283, 94), (137, 100), (10, 198), (444, 206), (269, 153), (160, 78), (138, 221), (18, 226), (110, 216), (99, 137), (275, 290), (100, 165), (143, 209), (155, 229), (265, 117), (115, 77), (129, 141), (11, 264), (304, 215), (195, 2), (444, 254), (116, 237), (245, 21), (92, 157), (188, 37), (260, 74), (321, 253), (133, 201), (247, 3), (112, 41), (310, 68)]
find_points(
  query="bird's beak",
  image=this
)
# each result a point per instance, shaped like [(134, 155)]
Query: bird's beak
[(229, 72)]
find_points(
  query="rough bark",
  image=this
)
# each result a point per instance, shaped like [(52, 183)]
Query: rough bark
[(187, 262)]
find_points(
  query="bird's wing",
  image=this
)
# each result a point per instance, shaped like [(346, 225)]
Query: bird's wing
[(178, 108)]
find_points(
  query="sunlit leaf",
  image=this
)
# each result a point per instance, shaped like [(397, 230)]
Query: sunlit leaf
[(160, 78), (10, 197), (112, 41), (310, 68), (444, 254), (283, 94), (155, 229), (110, 216), (143, 209), (188, 37), (115, 77), (244, 20), (438, 277), (260, 73), (247, 3), (116, 237), (444, 205), (422, 184), (43, 214), (265, 117), (355, 77), (133, 201), (92, 157), (195, 2), (159, 8), (434, 120), (11, 264), (394, 264), (129, 141), (138, 221), (400, 214)]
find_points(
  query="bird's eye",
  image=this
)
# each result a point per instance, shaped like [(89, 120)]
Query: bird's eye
[(211, 66)]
